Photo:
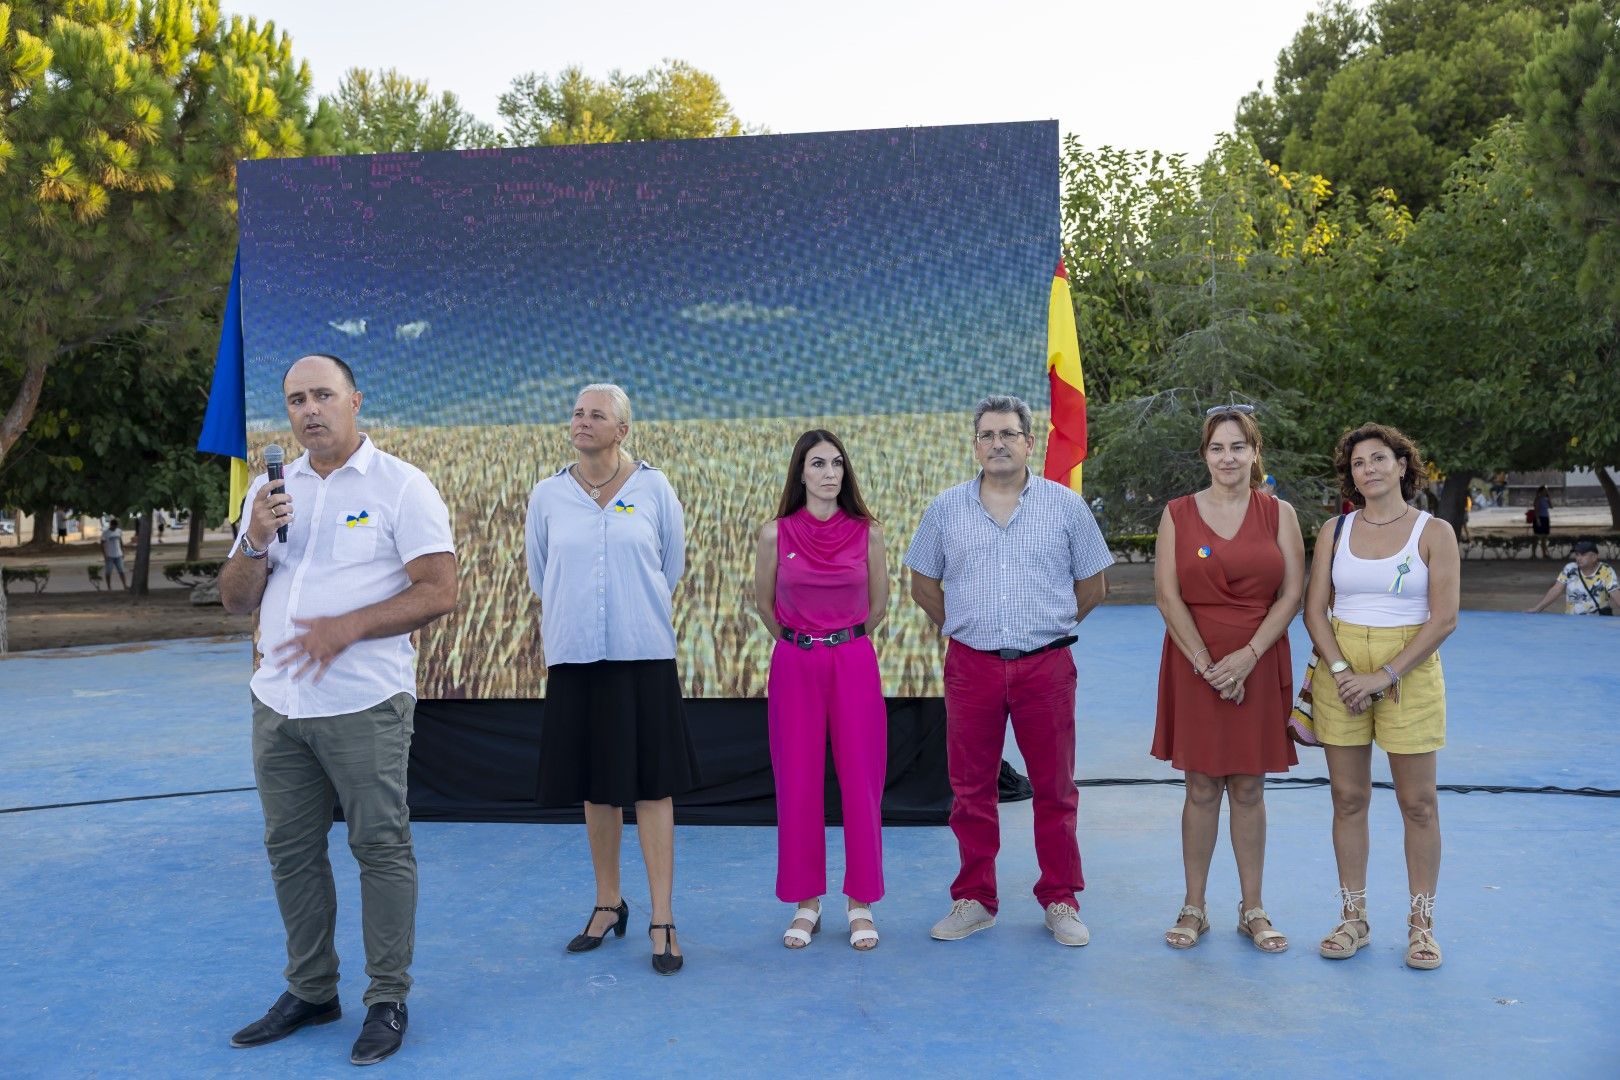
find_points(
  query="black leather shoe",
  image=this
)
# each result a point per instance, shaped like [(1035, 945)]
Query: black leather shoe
[(666, 962), (286, 1016), (584, 942), (381, 1034)]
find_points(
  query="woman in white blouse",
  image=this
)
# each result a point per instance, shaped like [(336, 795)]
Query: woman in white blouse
[(1391, 581), (606, 547)]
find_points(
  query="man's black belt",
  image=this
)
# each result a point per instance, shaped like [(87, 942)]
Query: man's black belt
[(837, 637), (1019, 654)]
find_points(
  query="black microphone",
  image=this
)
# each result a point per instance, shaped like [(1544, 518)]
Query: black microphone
[(273, 458)]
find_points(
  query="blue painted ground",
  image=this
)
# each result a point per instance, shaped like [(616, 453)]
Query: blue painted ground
[(137, 936)]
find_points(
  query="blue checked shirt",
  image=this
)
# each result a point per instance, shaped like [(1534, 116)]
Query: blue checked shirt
[(1013, 587)]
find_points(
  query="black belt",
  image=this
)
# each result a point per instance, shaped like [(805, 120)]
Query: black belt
[(837, 637), (1019, 654)]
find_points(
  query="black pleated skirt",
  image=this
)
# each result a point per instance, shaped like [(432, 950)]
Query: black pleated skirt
[(614, 733)]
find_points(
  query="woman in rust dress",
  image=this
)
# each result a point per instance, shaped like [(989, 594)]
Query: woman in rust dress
[(1229, 571)]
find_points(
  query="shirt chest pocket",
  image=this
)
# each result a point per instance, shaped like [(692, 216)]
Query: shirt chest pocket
[(354, 536)]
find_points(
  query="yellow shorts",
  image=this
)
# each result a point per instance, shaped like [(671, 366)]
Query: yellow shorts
[(1415, 724)]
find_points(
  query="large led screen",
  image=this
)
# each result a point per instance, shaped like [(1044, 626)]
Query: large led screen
[(877, 283)]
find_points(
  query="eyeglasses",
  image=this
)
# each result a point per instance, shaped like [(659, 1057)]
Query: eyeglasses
[(1217, 410), (986, 438)]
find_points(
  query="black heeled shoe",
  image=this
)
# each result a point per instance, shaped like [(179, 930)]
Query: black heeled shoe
[(584, 942), (665, 963)]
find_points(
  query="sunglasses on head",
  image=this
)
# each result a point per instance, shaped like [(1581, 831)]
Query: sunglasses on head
[(1217, 410)]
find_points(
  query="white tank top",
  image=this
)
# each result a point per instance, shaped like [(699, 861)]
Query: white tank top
[(1381, 592)]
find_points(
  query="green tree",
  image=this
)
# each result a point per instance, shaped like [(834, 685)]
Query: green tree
[(1570, 99), (1219, 273), (1486, 354), (386, 112), (1330, 37), (1392, 98), (672, 100), (83, 451), (120, 126), (1113, 202), (121, 122)]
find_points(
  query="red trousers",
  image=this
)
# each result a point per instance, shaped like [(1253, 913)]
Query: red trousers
[(981, 691), (815, 693)]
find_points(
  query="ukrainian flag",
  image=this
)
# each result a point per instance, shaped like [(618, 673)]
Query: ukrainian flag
[(224, 429)]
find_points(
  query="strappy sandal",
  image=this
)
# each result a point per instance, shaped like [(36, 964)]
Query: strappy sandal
[(793, 937), (1421, 938), (1347, 939), (856, 937), (666, 962), (1261, 938), (1189, 935)]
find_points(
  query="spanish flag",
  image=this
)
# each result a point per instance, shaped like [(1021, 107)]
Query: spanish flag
[(1066, 442), (224, 429)]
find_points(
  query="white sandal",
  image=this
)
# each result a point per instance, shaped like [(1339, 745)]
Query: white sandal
[(802, 937), (1261, 938), (1187, 936), (856, 937)]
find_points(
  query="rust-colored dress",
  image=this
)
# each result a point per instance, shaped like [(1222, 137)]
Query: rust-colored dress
[(1229, 588)]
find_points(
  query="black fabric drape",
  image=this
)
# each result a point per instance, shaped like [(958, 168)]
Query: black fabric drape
[(476, 760)]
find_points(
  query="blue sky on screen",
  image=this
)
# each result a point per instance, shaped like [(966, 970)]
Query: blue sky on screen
[(850, 272)]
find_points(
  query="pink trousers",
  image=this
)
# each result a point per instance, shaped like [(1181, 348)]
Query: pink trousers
[(815, 693)]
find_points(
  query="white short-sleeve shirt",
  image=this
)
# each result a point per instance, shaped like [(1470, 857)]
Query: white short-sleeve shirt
[(351, 536)]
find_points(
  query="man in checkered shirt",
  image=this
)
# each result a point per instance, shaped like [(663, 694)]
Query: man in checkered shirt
[(1006, 565)]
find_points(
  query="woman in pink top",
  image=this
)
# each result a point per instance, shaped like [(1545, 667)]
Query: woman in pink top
[(821, 585)]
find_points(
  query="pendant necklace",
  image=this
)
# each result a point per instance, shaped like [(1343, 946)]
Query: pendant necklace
[(596, 489)]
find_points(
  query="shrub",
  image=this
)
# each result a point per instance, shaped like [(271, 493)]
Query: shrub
[(1133, 545), (192, 574), (37, 576)]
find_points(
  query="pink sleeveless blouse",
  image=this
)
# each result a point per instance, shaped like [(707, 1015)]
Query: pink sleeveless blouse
[(821, 578)]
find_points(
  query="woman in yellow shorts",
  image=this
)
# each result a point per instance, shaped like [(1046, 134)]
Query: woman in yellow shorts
[(1392, 588)]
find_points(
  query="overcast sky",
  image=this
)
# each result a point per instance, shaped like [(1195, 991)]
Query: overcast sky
[(1157, 74)]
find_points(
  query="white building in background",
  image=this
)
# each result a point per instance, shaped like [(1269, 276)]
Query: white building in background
[(1576, 487)]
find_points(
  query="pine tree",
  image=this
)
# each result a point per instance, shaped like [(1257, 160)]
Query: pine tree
[(1570, 97), (121, 122), (120, 126), (386, 112)]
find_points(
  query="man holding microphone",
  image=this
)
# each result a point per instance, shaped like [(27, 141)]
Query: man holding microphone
[(368, 558)]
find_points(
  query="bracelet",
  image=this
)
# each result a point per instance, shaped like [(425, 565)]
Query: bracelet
[(1250, 646), (250, 551), (1394, 687), (1195, 655)]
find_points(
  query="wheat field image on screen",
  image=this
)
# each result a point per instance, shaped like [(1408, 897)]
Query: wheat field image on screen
[(728, 475)]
